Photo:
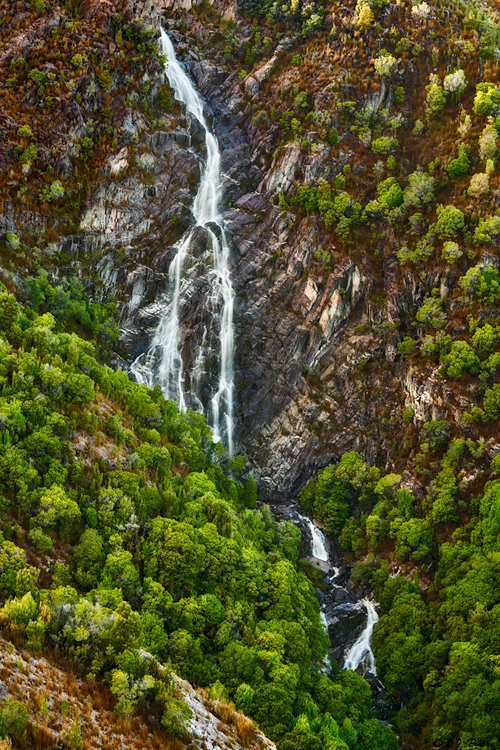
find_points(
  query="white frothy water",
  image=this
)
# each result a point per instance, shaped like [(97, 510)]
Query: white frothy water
[(166, 341), (361, 651), (318, 540)]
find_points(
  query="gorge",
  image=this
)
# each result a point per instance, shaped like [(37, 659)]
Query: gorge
[(249, 361)]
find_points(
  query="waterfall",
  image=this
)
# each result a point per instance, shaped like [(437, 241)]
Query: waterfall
[(318, 540), (163, 362), (361, 651)]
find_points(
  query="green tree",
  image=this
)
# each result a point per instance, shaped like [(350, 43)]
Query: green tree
[(57, 510)]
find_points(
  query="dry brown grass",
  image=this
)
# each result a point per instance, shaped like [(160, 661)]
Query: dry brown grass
[(55, 698)]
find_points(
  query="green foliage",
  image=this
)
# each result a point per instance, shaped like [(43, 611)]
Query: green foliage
[(29, 154), (460, 359), (482, 283), (436, 99), (389, 193), (15, 716), (399, 95), (12, 241), (491, 402), (435, 433), (461, 165), (53, 192), (420, 189), (451, 252), (431, 313), (487, 99), (415, 539), (57, 511), (450, 222), (12, 560), (169, 555), (407, 345), (487, 230), (383, 145), (25, 131), (337, 490), (408, 415), (165, 97)]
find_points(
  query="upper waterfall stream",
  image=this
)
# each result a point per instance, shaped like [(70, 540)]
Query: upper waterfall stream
[(163, 362)]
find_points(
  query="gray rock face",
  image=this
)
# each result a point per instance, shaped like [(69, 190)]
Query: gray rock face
[(309, 317)]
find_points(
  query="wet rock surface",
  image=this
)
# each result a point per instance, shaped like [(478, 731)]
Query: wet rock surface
[(303, 331), (341, 602)]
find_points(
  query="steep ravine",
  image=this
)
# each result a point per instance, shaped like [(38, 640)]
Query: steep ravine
[(303, 333), (349, 612), (300, 331)]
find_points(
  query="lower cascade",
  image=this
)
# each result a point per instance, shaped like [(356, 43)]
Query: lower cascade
[(360, 653), (163, 362)]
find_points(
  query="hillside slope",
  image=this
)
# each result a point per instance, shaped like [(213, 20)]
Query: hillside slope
[(359, 149)]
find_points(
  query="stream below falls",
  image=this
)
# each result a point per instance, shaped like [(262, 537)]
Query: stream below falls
[(348, 618)]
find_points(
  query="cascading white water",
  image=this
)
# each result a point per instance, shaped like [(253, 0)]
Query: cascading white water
[(166, 341), (318, 546), (361, 650), (318, 540)]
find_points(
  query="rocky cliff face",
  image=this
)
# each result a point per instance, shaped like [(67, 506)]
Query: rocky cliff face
[(304, 332), (305, 326)]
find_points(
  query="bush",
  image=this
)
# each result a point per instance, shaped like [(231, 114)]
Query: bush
[(461, 165), (455, 83), (418, 128), (53, 192), (491, 402), (461, 358), (383, 145), (435, 433), (385, 65), (28, 155), (436, 99), (450, 222), (420, 189), (414, 539), (408, 415), (389, 193), (495, 463), (488, 143), (479, 185), (12, 241), (15, 715), (451, 252), (487, 99), (333, 136), (399, 95), (407, 345), (79, 62), (165, 97), (487, 230), (25, 132), (483, 283), (431, 313)]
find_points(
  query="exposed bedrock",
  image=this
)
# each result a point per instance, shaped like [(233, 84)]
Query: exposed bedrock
[(317, 370)]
